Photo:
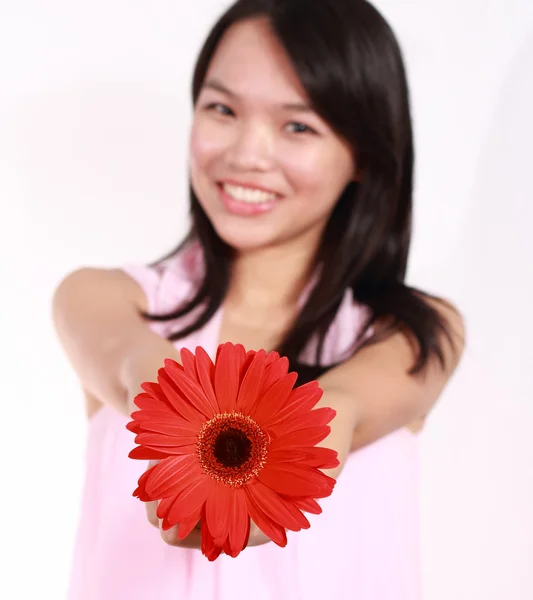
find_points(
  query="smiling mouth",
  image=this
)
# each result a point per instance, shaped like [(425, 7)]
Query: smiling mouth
[(248, 195)]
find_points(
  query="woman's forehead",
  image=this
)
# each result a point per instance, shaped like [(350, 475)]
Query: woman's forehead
[(250, 63)]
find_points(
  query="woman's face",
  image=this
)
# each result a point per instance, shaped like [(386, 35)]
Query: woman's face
[(265, 167)]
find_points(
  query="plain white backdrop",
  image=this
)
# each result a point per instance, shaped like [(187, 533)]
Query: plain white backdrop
[(94, 118)]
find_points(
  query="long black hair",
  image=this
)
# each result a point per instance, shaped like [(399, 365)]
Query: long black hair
[(350, 64)]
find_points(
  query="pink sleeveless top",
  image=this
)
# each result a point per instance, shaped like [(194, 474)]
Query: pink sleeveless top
[(364, 546)]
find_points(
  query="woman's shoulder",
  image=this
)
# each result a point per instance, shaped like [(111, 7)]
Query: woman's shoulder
[(169, 282)]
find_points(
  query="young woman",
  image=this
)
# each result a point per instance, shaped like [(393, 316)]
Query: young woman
[(301, 167)]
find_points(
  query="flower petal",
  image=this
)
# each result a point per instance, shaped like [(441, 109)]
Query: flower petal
[(281, 454), (270, 528), (133, 426), (189, 388), (155, 390), (292, 479), (313, 418), (140, 491), (302, 437), (251, 383), (217, 511), (239, 523), (141, 453), (191, 501), (188, 361), (274, 398), (209, 549), (146, 414), (169, 451), (176, 428), (241, 356), (179, 402), (146, 401), (172, 475), (147, 438), (205, 370), (185, 527), (276, 508), (227, 378), (300, 400), (310, 505), (275, 369), (163, 508), (320, 458)]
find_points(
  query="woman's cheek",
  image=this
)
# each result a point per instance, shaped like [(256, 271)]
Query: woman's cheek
[(207, 142), (304, 170)]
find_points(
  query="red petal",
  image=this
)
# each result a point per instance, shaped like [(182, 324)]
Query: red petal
[(133, 426), (321, 458), (313, 418), (276, 368), (300, 400), (140, 492), (302, 437), (281, 454), (157, 415), (191, 500), (174, 428), (169, 451), (227, 378), (250, 355), (251, 383), (276, 508), (208, 546), (228, 550), (206, 376), (171, 475), (174, 363), (180, 403), (217, 511), (270, 528), (155, 390), (274, 398), (310, 505), (163, 508), (190, 389), (188, 361), (294, 480), (144, 400), (141, 453), (241, 356), (147, 438), (187, 525), (239, 523)]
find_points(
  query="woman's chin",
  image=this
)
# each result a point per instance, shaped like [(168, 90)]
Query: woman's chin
[(246, 239)]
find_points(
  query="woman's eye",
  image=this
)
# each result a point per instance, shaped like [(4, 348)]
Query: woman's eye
[(296, 127), (220, 108)]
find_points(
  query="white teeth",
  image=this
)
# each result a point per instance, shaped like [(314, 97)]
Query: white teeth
[(248, 195)]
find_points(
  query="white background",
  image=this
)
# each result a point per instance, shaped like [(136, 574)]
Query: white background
[(94, 116)]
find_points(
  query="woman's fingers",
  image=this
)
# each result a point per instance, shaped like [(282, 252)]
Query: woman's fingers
[(151, 513), (193, 540)]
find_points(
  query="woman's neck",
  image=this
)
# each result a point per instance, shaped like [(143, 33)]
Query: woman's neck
[(270, 278)]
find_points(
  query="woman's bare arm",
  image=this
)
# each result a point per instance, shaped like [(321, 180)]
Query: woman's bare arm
[(111, 348)]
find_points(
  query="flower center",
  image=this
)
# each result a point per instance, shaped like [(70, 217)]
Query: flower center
[(232, 448)]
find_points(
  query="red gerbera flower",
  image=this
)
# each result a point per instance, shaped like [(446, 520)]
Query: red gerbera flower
[(235, 441)]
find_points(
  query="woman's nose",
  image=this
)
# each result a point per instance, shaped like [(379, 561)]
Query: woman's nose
[(252, 148)]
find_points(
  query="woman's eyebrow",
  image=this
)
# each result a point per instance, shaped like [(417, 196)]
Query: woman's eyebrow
[(215, 84)]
